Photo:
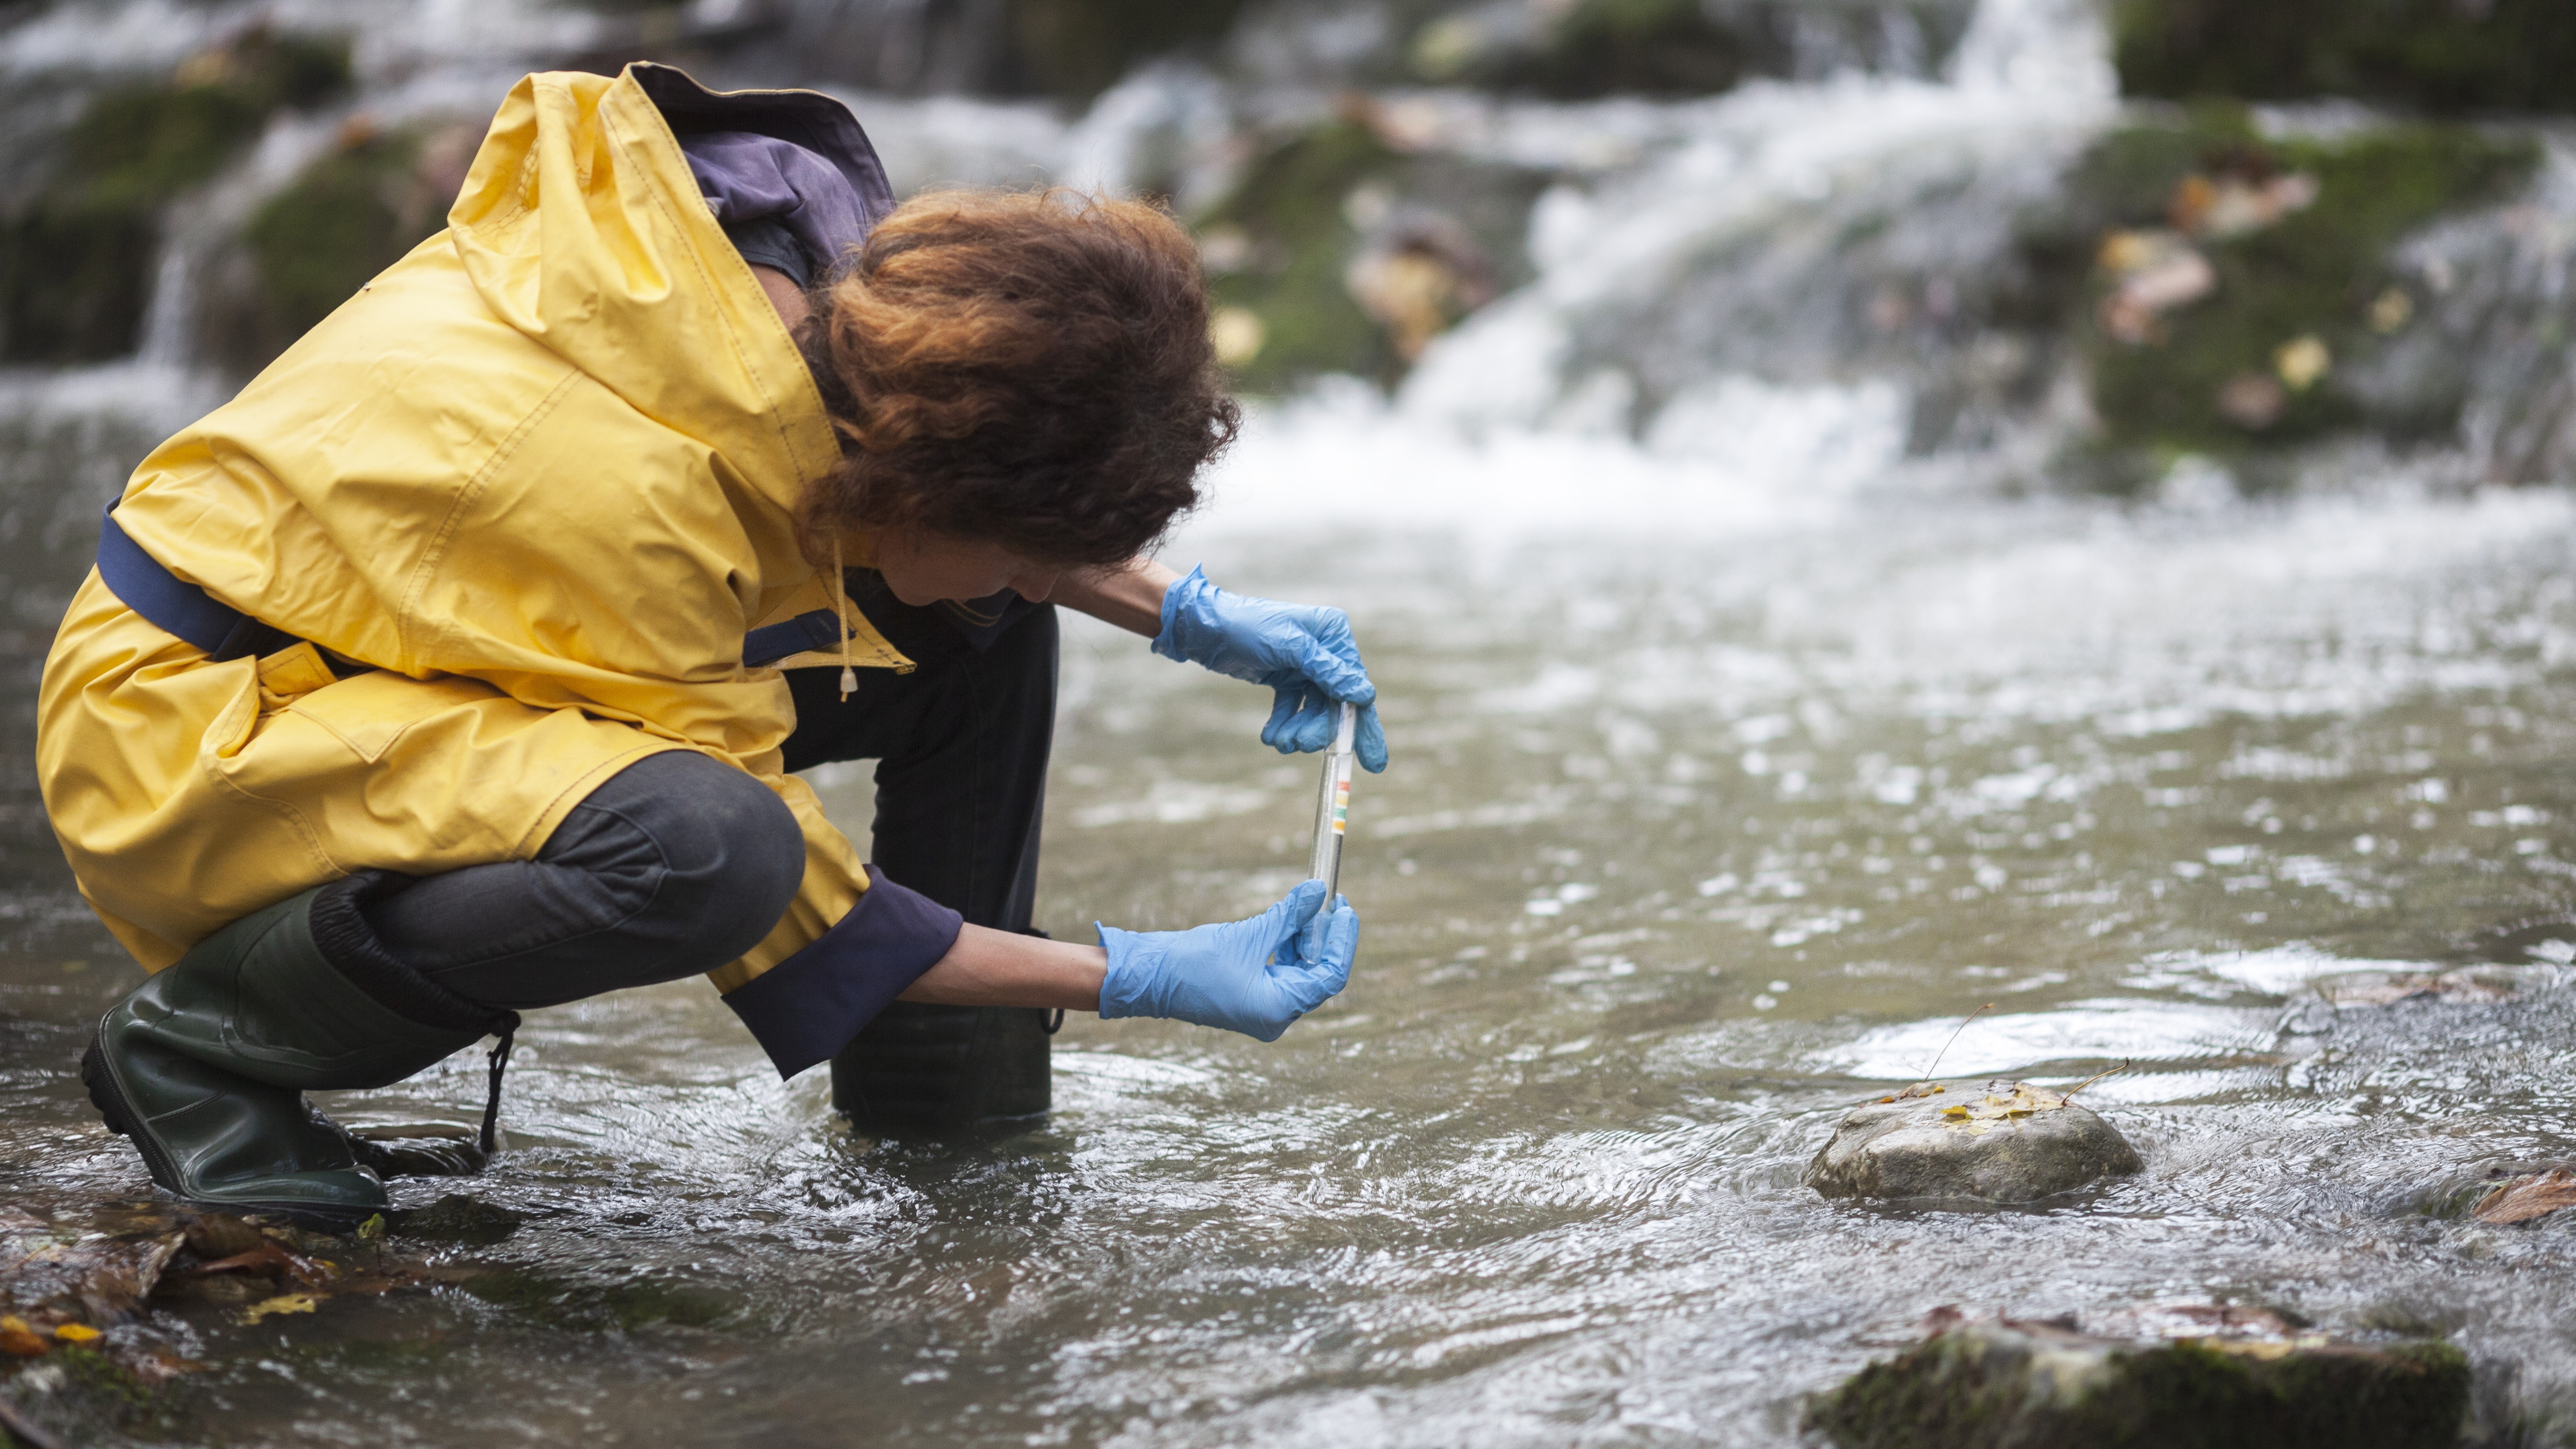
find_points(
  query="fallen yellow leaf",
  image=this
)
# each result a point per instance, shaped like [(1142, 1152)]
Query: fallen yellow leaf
[(282, 1303), (75, 1332)]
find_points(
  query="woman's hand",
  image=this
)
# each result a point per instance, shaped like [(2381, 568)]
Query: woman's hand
[(1304, 652), (1253, 976)]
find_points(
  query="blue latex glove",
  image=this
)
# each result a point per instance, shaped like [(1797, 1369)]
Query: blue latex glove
[(1304, 652), (1252, 976)]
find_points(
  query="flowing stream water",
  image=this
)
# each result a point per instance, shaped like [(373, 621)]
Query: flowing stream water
[(1732, 767)]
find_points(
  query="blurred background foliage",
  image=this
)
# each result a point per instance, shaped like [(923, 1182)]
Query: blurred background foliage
[(2458, 56), (76, 256), (2217, 283)]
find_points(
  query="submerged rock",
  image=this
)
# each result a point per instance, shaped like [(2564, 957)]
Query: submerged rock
[(457, 1218), (2202, 1376), (2000, 1143)]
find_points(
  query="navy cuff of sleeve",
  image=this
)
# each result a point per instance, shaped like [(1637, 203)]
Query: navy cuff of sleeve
[(810, 1005)]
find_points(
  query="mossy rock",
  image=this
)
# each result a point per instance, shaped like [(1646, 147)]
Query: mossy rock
[(2318, 272), (1643, 47), (2002, 1384), (1296, 221), (1288, 210), (1075, 49), (457, 1218), (350, 214), (76, 260), (2442, 55)]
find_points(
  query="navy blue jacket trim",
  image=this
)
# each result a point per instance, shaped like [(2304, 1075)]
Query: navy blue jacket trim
[(184, 611), (809, 1006), (173, 605), (773, 642)]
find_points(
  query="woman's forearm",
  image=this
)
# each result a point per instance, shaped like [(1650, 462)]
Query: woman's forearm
[(1129, 595), (1002, 968)]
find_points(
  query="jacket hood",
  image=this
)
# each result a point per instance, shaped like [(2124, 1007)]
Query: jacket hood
[(582, 228)]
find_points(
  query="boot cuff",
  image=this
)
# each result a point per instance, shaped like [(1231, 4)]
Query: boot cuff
[(350, 945)]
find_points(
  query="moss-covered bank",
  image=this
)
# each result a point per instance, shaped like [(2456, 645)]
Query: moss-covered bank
[(2220, 284), (347, 216), (76, 260), (2444, 55), (1076, 49), (2005, 1385), (1276, 248), (1337, 252)]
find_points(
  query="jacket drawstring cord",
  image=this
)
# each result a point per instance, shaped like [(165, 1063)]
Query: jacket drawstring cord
[(500, 1059), (841, 618)]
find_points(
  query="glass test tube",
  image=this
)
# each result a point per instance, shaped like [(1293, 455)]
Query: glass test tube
[(1333, 805)]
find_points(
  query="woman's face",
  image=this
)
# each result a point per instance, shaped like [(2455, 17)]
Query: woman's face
[(922, 567)]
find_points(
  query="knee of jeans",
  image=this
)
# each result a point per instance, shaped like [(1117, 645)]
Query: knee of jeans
[(732, 853)]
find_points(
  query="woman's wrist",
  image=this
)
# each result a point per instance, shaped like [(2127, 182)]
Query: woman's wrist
[(1003, 968), (1129, 595)]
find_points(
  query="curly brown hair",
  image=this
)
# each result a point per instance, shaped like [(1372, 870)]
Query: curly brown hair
[(1028, 368)]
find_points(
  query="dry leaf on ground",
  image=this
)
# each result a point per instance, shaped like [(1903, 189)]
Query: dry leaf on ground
[(98, 1279), (2525, 1198), (267, 1260)]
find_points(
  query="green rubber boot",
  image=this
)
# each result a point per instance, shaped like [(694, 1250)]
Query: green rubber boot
[(206, 1064)]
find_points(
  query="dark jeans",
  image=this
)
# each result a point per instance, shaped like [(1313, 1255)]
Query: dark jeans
[(679, 864)]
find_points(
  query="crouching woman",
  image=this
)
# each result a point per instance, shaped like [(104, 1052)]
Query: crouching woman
[(457, 666)]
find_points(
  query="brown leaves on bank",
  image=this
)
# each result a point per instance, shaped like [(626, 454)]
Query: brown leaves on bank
[(2524, 1198), (92, 1283)]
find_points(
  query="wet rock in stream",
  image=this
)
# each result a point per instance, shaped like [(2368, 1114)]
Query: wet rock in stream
[(457, 1218), (2211, 1376), (1997, 1143)]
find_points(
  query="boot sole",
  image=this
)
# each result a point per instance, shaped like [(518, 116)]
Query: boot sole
[(109, 1098)]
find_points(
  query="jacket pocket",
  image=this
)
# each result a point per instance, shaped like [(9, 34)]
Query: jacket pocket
[(368, 712)]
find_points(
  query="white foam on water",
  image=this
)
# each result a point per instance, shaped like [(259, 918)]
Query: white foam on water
[(2278, 971), (2078, 1032), (1741, 456)]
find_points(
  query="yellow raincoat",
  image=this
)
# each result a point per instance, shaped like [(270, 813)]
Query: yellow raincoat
[(540, 475)]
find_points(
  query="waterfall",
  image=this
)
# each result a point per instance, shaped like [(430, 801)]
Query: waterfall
[(1700, 271)]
